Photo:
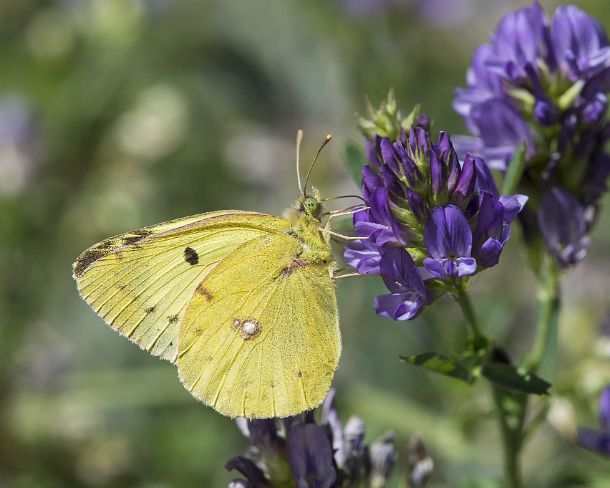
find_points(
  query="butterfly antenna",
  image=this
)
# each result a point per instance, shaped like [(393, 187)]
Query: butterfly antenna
[(343, 196), (326, 141), (299, 140)]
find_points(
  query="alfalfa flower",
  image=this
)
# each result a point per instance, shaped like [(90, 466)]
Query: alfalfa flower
[(298, 451), (431, 221), (542, 84)]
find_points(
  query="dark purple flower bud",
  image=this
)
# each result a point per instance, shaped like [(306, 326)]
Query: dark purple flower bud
[(254, 476), (563, 222), (263, 434), (438, 176), (465, 185), (311, 457), (412, 173), (594, 109), (546, 112), (580, 42), (408, 294), (448, 239), (485, 180)]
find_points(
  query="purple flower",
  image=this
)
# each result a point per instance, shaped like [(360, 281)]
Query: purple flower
[(544, 83), (581, 45), (564, 226), (492, 230), (428, 218), (448, 239), (300, 452), (408, 293), (311, 456), (363, 256), (598, 440)]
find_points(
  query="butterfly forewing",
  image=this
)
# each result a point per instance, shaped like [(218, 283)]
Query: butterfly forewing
[(260, 337), (141, 282)]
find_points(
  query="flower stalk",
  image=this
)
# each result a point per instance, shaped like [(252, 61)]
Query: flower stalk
[(509, 406), (545, 342)]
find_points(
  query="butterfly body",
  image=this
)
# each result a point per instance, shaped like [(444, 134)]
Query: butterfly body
[(243, 303)]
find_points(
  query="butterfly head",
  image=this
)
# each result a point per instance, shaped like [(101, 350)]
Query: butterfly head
[(311, 206)]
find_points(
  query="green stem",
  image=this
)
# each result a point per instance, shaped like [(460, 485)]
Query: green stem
[(461, 296), (508, 405), (545, 347)]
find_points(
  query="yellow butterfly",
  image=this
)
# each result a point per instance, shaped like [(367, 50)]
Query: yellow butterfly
[(242, 302)]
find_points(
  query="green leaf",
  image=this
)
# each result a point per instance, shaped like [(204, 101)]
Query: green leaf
[(512, 378), (441, 364), (354, 160), (514, 172)]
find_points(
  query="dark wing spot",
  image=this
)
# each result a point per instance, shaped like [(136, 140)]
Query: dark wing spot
[(150, 309), (135, 237), (85, 259), (299, 374), (191, 256), (172, 319), (205, 292)]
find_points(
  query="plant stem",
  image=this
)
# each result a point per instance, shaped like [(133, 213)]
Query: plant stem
[(461, 296), (509, 406), (511, 426), (544, 348)]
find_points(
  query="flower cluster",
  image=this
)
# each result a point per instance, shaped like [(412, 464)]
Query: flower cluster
[(594, 439), (429, 221), (299, 452), (542, 83)]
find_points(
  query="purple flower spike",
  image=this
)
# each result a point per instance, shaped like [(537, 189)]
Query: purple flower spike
[(563, 223), (408, 294), (448, 239), (311, 457)]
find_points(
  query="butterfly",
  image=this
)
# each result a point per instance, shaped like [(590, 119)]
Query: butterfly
[(243, 303)]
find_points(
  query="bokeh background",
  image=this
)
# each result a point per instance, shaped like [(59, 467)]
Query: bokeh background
[(115, 114)]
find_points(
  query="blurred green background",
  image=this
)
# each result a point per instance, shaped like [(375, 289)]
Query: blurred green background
[(115, 114)]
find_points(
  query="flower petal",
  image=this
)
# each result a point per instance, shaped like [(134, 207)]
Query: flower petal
[(310, 456), (447, 233)]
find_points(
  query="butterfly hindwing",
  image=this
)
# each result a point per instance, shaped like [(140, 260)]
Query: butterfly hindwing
[(141, 282), (260, 337)]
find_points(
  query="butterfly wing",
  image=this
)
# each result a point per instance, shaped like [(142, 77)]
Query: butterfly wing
[(260, 338), (141, 282)]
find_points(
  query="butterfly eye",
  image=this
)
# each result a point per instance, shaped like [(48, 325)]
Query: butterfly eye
[(312, 207)]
